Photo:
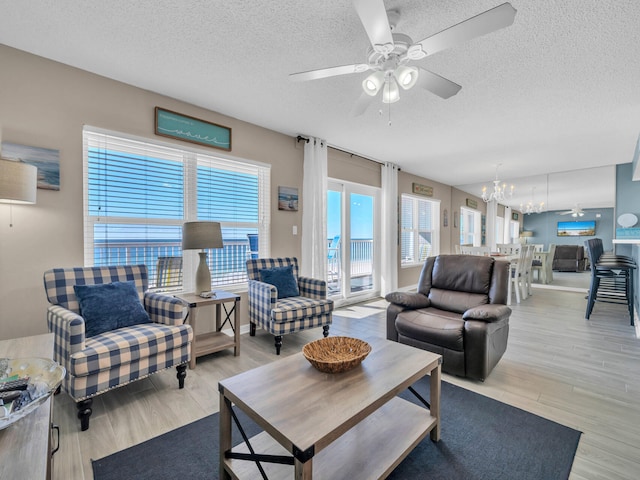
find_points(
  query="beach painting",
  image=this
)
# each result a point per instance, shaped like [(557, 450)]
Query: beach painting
[(46, 159), (577, 229), (288, 199)]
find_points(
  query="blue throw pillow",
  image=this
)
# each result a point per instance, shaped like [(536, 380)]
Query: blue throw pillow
[(282, 278), (108, 306)]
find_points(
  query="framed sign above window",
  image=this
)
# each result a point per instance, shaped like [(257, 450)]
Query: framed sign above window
[(189, 129)]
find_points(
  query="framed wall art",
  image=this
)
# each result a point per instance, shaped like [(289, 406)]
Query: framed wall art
[(288, 199), (190, 129), (47, 160)]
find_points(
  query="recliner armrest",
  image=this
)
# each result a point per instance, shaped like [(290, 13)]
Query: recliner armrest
[(412, 300), (487, 313)]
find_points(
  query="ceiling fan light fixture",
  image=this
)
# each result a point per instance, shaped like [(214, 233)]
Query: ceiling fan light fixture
[(407, 76), (391, 92), (373, 83)]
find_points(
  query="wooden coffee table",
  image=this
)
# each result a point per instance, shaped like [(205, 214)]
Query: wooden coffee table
[(348, 425)]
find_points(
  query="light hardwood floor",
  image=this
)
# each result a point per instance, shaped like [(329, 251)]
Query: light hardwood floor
[(583, 374)]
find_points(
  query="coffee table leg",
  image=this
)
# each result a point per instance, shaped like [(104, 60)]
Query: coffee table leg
[(303, 471), (435, 401), (225, 433)]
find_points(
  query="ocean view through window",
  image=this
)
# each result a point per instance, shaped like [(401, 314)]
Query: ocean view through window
[(138, 194)]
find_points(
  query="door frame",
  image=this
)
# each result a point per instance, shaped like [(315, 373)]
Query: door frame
[(346, 188)]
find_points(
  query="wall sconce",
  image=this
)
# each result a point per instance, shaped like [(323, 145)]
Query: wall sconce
[(18, 184)]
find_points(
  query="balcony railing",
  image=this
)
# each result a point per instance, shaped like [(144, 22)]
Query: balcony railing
[(227, 265)]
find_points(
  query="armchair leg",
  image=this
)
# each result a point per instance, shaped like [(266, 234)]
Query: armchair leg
[(181, 375), (278, 339), (84, 412), (252, 329), (325, 330)]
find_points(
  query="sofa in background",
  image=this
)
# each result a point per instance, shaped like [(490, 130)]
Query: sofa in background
[(459, 312), (569, 258)]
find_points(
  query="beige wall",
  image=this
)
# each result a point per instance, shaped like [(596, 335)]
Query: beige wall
[(409, 276), (344, 166), (46, 104)]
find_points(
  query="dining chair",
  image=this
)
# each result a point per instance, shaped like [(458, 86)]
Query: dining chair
[(527, 271), (542, 263), (517, 261), (481, 251)]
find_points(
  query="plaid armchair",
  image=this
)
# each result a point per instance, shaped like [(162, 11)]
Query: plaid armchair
[(117, 357), (280, 316)]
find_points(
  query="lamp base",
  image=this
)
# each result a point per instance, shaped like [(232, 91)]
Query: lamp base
[(203, 275)]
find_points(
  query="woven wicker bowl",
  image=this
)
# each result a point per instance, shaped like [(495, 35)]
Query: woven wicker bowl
[(336, 354)]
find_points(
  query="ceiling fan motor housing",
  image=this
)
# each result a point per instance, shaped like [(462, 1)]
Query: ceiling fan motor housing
[(401, 45)]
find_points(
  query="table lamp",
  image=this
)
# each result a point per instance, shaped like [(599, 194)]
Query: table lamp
[(200, 236), (526, 234)]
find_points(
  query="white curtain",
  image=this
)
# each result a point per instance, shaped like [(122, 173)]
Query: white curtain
[(314, 210), (506, 236), (389, 245), (492, 213)]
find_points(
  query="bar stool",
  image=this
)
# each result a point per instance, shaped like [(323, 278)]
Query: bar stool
[(611, 278)]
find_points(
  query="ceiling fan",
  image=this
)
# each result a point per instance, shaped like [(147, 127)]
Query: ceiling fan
[(574, 212), (392, 55)]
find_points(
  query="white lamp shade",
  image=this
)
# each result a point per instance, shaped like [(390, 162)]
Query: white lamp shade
[(372, 84), (406, 76), (18, 182), (390, 92), (201, 235)]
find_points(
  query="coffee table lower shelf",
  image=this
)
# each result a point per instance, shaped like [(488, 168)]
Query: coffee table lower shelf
[(371, 449)]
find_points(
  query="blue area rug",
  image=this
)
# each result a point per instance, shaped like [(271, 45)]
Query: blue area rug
[(482, 439)]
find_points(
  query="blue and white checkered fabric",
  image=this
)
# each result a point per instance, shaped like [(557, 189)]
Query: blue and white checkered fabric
[(112, 359), (286, 315)]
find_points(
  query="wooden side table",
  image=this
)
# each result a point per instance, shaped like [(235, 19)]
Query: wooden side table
[(210, 342), (25, 446)]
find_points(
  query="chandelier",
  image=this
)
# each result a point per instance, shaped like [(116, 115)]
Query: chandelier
[(531, 206), (500, 192)]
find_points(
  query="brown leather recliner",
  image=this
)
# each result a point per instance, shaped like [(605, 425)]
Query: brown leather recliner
[(459, 311)]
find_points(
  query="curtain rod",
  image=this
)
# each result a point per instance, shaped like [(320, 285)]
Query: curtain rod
[(300, 138)]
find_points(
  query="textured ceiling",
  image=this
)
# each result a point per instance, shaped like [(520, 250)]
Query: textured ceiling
[(555, 92)]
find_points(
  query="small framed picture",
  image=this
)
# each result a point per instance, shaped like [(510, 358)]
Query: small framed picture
[(288, 199), (515, 216)]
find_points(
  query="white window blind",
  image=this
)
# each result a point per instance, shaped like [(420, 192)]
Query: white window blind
[(137, 195), (419, 229)]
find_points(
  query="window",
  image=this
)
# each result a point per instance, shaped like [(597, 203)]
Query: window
[(137, 195), (419, 229), (470, 227)]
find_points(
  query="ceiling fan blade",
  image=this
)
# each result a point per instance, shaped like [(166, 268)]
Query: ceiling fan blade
[(375, 22), (499, 17), (361, 105), (436, 84), (329, 72)]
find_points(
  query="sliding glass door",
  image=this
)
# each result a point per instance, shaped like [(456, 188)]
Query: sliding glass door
[(353, 239)]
